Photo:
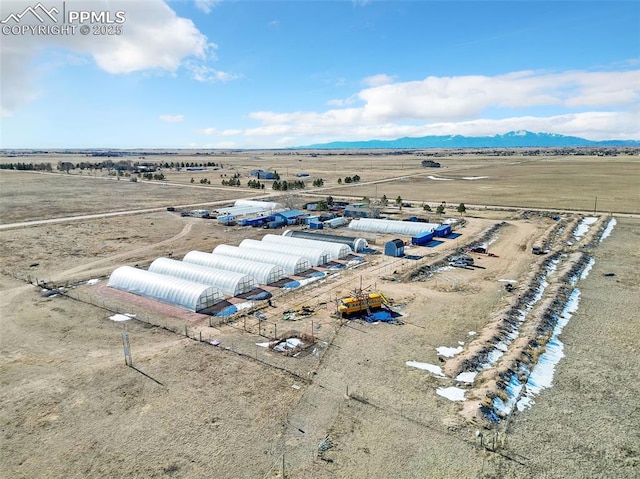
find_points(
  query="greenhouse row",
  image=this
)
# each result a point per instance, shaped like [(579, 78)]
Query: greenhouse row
[(375, 225), (202, 279)]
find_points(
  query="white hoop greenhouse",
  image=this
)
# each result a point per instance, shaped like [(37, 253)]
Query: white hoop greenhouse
[(265, 273), (391, 226), (356, 244), (178, 292), (267, 205), (336, 250), (229, 283), (316, 256), (291, 264)]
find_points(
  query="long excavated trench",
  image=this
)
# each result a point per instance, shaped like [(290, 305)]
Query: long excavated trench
[(512, 359)]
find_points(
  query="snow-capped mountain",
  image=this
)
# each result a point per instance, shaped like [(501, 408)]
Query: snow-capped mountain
[(513, 139)]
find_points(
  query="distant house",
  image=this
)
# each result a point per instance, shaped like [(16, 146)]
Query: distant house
[(359, 210), (263, 175), (430, 164)]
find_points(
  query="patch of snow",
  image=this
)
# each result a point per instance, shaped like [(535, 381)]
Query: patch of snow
[(582, 228), (467, 376), (432, 368), (264, 345), (541, 376), (472, 333), (119, 317), (499, 349), (609, 228), (448, 352), (474, 177), (452, 393), (439, 179), (461, 343), (513, 390), (508, 280), (587, 268), (93, 281)]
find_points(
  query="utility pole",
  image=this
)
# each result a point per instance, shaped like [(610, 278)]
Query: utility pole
[(127, 350), (595, 205)]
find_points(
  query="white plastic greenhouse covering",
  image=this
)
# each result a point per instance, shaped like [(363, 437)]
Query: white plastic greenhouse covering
[(178, 292), (229, 283), (391, 226), (265, 273), (240, 210), (267, 205), (316, 256), (335, 250), (356, 244), (291, 264)]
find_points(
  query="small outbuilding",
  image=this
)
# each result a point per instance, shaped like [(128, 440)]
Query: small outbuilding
[(394, 248)]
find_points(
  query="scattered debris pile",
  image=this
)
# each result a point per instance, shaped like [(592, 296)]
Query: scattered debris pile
[(292, 343), (296, 314)]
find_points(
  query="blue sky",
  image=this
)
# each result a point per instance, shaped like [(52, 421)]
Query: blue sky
[(269, 74)]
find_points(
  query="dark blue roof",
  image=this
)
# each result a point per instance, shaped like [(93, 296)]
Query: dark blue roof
[(291, 214)]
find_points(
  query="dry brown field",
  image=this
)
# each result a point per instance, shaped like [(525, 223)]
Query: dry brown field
[(72, 408)]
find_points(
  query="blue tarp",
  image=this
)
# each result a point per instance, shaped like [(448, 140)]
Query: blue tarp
[(384, 316), (228, 311), (433, 243)]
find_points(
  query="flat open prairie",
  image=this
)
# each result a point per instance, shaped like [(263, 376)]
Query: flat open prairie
[(350, 406)]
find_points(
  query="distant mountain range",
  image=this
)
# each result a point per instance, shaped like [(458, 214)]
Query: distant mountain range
[(513, 139)]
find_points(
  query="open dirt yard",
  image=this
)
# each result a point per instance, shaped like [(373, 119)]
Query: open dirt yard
[(436, 393)]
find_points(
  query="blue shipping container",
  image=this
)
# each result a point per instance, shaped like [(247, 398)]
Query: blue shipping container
[(442, 231), (422, 238)]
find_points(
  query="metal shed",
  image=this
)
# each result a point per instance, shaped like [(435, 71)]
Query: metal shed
[(316, 256), (229, 283), (265, 273), (178, 292), (394, 248), (290, 216), (356, 244), (290, 263), (336, 250), (391, 226)]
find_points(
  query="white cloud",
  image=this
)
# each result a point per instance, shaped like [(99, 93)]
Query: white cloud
[(463, 97), (153, 38), (593, 105), (172, 118), (378, 80), (206, 5), (215, 132), (204, 73)]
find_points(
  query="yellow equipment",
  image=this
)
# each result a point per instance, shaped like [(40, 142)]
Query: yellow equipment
[(356, 304)]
